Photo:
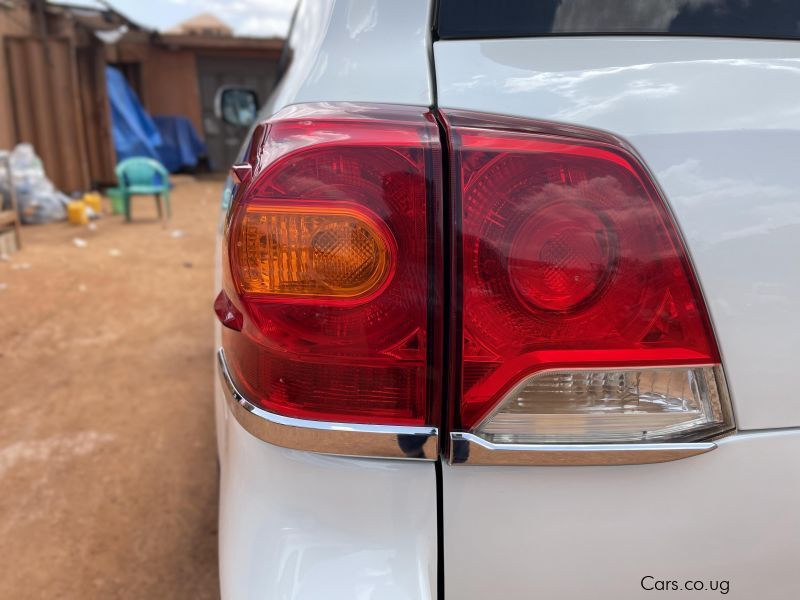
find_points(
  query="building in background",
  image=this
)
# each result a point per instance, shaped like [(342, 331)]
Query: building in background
[(53, 87), (202, 24)]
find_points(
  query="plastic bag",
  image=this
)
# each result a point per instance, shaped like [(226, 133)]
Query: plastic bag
[(37, 199)]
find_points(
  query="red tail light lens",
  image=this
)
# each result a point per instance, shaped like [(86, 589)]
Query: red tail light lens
[(330, 261), (569, 259), (561, 257), (576, 316)]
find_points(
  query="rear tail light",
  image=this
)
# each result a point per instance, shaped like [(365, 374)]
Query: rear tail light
[(582, 320), (574, 313), (330, 260)]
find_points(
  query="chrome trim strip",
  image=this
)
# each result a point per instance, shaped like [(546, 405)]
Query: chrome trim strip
[(470, 449), (343, 439)]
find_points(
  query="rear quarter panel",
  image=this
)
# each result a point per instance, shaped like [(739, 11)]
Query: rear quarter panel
[(295, 525)]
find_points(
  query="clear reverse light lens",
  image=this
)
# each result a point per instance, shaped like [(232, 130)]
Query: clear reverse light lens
[(611, 406)]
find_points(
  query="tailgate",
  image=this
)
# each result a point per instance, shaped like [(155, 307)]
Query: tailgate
[(717, 122)]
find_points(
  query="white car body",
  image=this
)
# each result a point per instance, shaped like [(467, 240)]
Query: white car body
[(717, 123)]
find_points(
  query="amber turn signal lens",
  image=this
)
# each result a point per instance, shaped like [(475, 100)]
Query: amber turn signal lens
[(311, 251)]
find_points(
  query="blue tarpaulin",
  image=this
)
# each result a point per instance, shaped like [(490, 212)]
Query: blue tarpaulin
[(170, 140), (181, 147), (134, 132)]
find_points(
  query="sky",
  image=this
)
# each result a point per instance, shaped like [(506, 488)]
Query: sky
[(259, 18)]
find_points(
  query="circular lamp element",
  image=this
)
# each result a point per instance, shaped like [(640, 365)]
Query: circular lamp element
[(561, 257)]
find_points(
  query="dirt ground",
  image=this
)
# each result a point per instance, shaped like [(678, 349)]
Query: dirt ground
[(108, 477)]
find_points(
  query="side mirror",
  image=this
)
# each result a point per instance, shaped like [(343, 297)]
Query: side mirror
[(236, 105)]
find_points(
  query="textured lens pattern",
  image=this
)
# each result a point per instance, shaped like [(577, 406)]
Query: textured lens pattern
[(560, 257), (346, 255), (608, 406), (310, 252)]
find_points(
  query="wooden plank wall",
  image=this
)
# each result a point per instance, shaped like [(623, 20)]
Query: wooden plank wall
[(96, 114), (47, 107), (14, 21)]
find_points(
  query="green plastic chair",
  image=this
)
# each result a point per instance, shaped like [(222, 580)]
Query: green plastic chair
[(140, 176)]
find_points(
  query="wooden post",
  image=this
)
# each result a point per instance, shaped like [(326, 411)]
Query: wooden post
[(10, 217)]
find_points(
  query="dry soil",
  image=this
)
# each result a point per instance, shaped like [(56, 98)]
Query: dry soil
[(108, 477)]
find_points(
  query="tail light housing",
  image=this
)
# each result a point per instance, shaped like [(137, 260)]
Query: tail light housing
[(571, 310), (332, 263), (581, 317)]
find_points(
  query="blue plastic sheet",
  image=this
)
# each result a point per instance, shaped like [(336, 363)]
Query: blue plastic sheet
[(181, 147), (170, 140), (133, 130)]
